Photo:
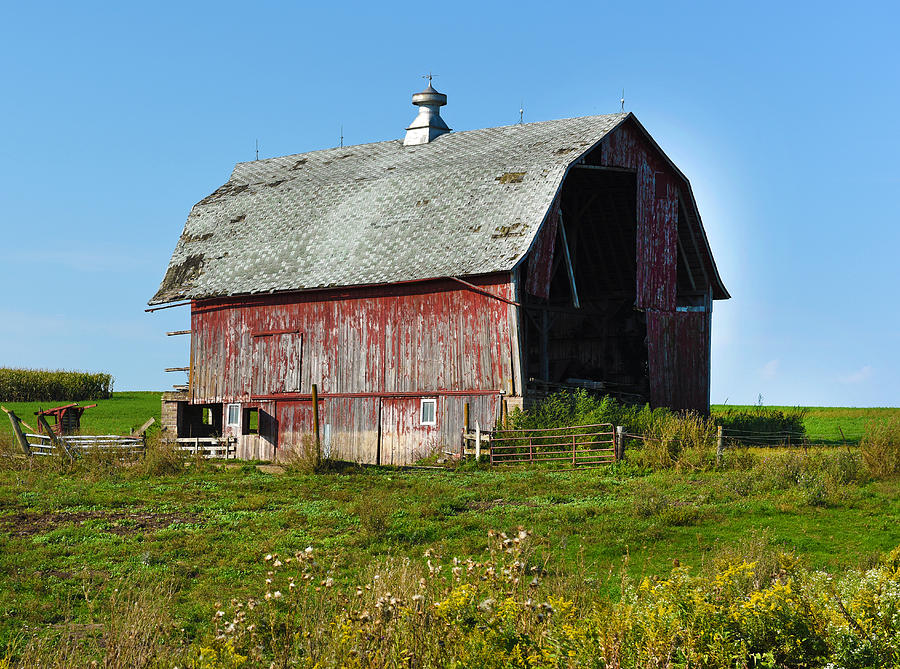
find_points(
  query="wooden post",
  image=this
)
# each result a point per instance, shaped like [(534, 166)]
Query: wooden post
[(54, 439), (477, 442), (545, 345), (466, 417), (504, 411), (619, 443), (720, 445), (315, 407), (20, 437)]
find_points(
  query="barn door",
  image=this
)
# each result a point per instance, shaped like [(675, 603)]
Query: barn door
[(397, 416), (403, 437), (276, 363)]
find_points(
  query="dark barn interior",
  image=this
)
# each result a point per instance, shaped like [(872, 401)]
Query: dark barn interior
[(601, 343)]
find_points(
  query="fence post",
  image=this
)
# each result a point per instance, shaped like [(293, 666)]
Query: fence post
[(573, 449), (477, 442), (619, 444), (315, 408), (55, 440), (17, 428), (720, 445)]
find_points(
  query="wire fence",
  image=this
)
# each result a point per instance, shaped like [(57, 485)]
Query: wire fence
[(788, 438)]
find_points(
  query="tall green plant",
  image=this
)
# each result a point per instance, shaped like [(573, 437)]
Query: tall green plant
[(37, 385)]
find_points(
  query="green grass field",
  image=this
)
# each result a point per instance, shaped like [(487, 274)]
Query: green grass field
[(117, 415), (72, 539), (824, 424), (67, 538)]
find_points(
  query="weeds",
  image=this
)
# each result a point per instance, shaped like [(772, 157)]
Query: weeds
[(161, 457), (880, 447), (753, 607)]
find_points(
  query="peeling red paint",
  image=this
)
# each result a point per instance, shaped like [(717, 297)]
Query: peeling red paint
[(540, 258), (372, 351), (657, 215)]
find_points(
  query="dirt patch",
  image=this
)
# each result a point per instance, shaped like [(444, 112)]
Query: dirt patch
[(24, 524), (271, 469)]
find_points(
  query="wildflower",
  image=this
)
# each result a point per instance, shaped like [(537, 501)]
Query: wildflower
[(268, 557), (487, 605), (251, 627), (534, 582), (308, 550), (219, 614), (268, 595), (277, 563), (292, 585), (268, 581), (276, 594), (329, 582)]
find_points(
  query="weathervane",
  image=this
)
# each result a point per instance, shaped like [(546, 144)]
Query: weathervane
[(522, 113), (428, 76), (623, 99)]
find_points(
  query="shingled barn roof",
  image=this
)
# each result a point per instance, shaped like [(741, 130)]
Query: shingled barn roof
[(467, 203)]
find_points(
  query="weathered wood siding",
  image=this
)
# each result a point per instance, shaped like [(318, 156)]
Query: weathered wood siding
[(679, 359), (678, 342), (657, 215), (373, 352)]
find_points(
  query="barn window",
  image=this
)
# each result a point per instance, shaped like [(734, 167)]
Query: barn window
[(234, 414), (251, 421), (429, 412)]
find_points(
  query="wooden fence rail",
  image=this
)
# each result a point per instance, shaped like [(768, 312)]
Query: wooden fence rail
[(210, 448), (41, 444)]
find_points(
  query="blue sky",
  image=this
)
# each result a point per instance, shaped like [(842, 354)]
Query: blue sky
[(118, 117)]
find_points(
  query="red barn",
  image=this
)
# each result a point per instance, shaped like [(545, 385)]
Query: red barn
[(408, 278)]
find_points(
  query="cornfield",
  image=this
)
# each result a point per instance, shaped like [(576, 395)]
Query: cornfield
[(37, 385)]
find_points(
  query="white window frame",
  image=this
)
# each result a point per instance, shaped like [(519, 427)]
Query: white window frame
[(433, 402), (237, 408)]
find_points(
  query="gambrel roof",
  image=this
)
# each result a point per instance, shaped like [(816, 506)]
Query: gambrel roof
[(466, 203)]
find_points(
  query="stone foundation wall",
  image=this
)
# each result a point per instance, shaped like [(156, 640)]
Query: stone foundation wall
[(172, 404)]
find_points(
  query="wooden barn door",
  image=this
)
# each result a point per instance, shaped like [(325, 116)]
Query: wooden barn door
[(276, 363), (398, 436), (403, 439)]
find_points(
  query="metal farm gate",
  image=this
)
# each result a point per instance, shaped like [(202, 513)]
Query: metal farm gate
[(576, 446)]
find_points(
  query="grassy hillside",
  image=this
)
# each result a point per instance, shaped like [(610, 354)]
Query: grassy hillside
[(117, 415)]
